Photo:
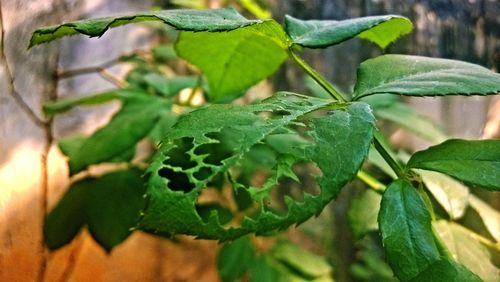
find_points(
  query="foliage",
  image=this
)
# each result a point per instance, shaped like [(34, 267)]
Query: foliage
[(222, 147)]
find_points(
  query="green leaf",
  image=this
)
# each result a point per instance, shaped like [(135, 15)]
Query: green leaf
[(476, 163), (467, 250), (57, 107), (363, 211), (452, 195), (446, 270), (109, 206), (489, 216), (405, 226), (423, 76), (381, 30), (235, 60), (235, 259), (195, 20), (133, 122), (210, 141), (169, 87)]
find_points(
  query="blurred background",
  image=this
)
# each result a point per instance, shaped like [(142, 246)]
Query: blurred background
[(34, 174)]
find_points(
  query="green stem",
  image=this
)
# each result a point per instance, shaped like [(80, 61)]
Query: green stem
[(371, 181), (339, 97), (317, 77)]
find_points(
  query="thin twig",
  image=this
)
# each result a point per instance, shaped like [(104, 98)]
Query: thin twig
[(10, 79)]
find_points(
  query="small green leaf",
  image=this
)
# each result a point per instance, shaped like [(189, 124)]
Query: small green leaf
[(423, 76), (235, 60), (133, 122), (405, 226), (57, 107), (71, 146), (446, 270), (195, 20), (381, 30), (476, 163), (363, 211), (169, 87), (235, 259), (110, 206), (467, 250)]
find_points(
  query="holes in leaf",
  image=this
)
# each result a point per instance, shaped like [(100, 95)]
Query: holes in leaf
[(218, 152), (203, 173), (178, 156), (177, 181)]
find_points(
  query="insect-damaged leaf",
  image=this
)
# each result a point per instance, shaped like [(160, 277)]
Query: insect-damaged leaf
[(381, 30), (423, 76), (195, 20), (211, 140), (235, 60)]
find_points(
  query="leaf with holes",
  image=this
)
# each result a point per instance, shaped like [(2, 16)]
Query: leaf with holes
[(235, 60), (423, 76), (109, 206), (381, 30), (208, 142), (475, 162), (195, 20)]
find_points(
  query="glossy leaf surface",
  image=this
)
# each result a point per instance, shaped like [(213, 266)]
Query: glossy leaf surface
[(405, 226), (339, 144), (423, 76), (195, 20), (109, 206), (476, 163), (446, 270), (381, 30), (235, 60)]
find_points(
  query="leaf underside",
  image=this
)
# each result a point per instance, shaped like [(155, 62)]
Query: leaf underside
[(381, 30), (339, 144), (423, 76), (194, 20)]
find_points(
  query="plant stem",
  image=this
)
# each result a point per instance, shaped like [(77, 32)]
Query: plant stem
[(371, 181), (339, 97), (317, 77)]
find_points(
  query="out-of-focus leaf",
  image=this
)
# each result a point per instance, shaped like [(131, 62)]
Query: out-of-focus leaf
[(133, 122), (169, 87), (71, 146), (452, 195), (408, 118), (467, 250), (475, 163), (363, 212), (253, 7), (490, 216), (57, 107), (109, 206), (423, 76), (235, 60), (163, 53), (195, 20), (381, 30), (235, 259)]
